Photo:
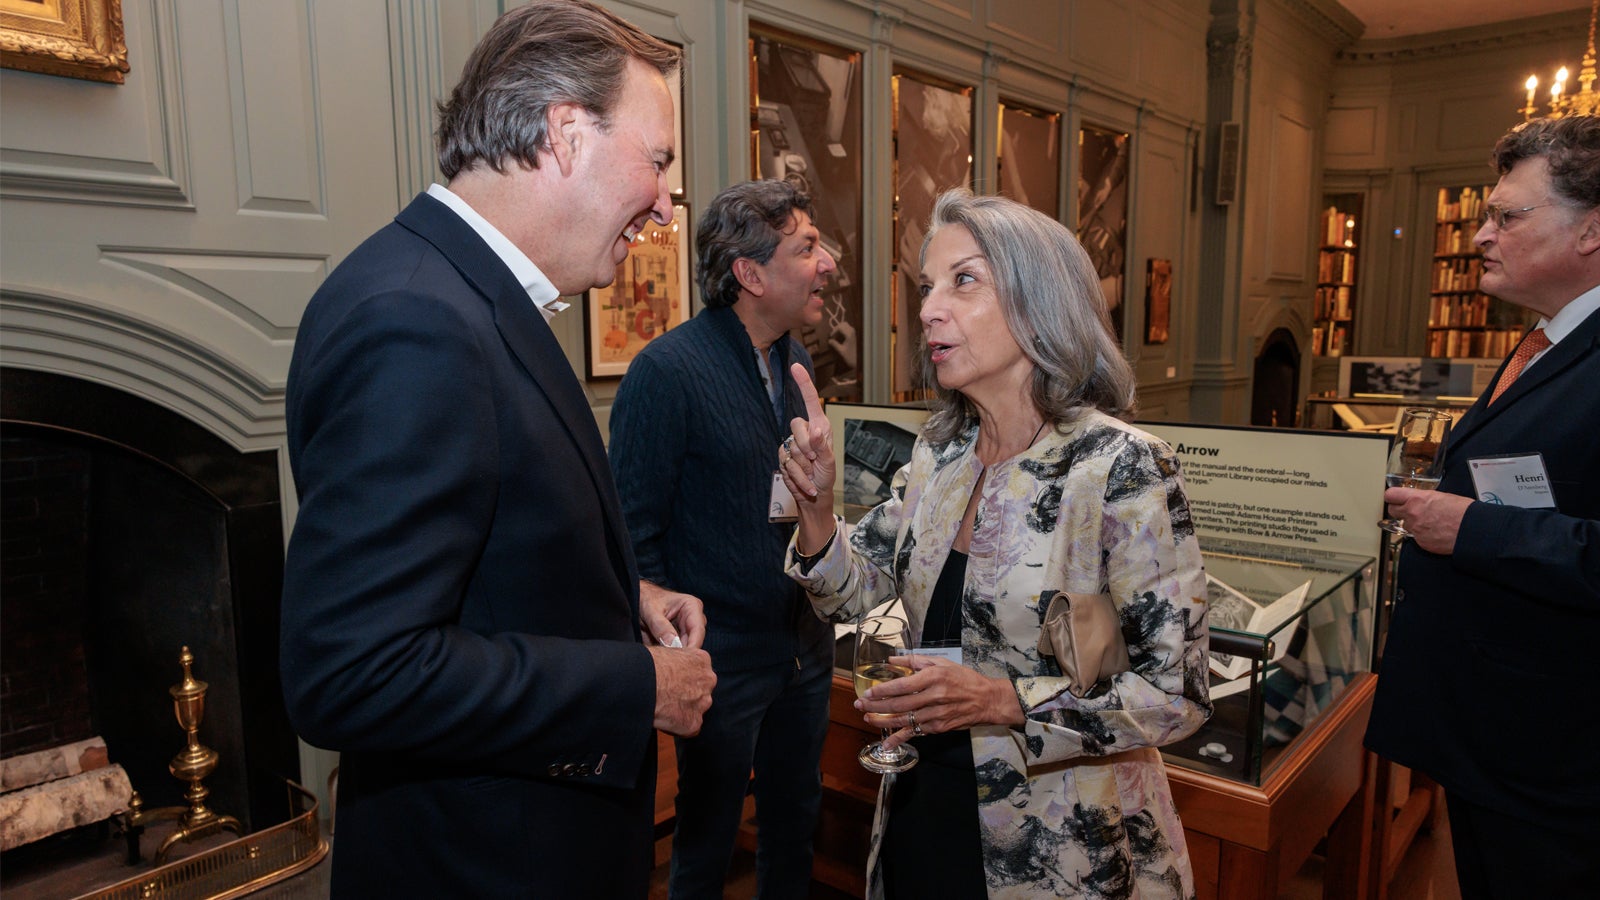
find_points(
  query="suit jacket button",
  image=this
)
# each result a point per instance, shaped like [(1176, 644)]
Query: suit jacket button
[(569, 769), (584, 771), (1399, 594), (555, 770)]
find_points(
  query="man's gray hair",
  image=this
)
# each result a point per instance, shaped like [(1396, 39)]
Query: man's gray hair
[(532, 58)]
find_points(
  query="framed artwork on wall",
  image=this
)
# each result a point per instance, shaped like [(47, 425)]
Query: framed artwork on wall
[(805, 114), (873, 442), (1157, 300), (933, 153), (80, 39), (1030, 157), (649, 297), (1103, 211)]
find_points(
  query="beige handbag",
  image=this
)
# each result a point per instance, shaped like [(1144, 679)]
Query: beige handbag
[(1084, 634)]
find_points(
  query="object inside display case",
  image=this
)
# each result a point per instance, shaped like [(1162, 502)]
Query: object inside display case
[(1292, 671)]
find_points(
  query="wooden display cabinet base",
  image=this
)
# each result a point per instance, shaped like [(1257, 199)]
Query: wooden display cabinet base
[(1246, 841)]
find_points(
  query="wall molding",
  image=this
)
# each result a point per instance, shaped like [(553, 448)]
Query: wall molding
[(76, 337), (161, 182), (416, 66), (1547, 31)]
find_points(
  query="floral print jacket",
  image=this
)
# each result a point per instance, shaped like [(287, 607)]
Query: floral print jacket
[(1095, 507)]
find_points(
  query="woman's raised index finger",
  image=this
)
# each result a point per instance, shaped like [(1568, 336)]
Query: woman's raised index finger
[(808, 391)]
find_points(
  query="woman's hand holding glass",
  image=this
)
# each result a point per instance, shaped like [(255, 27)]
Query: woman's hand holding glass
[(939, 696), (883, 654)]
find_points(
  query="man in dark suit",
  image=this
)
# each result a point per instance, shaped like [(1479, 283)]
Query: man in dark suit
[(1488, 673), (462, 613)]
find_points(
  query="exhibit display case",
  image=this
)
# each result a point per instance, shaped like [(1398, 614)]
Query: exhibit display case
[(1293, 671)]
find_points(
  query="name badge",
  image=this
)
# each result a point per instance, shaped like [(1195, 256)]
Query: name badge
[(1513, 480), (781, 507), (943, 649)]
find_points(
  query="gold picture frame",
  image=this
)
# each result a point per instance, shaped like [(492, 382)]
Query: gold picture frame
[(74, 38)]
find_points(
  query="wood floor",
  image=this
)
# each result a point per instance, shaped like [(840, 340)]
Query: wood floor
[(1427, 872)]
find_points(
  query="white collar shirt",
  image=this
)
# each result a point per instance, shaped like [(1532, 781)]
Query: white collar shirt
[(544, 295)]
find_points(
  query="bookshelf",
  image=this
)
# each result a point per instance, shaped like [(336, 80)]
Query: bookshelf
[(1462, 321), (1333, 313)]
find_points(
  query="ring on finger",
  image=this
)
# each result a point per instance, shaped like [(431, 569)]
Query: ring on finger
[(915, 728)]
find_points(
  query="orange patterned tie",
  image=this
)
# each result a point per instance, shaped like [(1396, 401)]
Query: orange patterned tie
[(1530, 347)]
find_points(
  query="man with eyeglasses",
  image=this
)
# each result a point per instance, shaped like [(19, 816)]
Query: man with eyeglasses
[(1488, 676)]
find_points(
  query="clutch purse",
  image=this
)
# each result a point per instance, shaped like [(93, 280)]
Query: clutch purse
[(1084, 634)]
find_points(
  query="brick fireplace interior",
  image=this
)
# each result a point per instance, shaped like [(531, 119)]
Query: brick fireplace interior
[(126, 533)]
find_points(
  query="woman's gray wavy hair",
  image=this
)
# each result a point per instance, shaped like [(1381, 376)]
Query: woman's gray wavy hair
[(532, 58), (1050, 297)]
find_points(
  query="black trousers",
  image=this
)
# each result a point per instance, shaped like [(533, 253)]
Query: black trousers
[(1503, 858)]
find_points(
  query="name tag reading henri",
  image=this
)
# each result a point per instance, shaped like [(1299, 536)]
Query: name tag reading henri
[(1516, 480)]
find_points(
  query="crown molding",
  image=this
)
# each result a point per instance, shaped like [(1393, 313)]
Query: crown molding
[(1548, 30)]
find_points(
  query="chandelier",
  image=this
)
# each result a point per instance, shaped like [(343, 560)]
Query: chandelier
[(1585, 102)]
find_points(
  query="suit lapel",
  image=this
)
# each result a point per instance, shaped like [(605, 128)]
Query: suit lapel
[(529, 337), (1574, 347)]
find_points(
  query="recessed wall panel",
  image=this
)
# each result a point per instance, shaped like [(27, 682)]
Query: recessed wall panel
[(1102, 35), (1288, 200), (1034, 22), (274, 107)]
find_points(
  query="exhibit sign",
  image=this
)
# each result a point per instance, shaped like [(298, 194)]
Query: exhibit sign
[(1315, 489)]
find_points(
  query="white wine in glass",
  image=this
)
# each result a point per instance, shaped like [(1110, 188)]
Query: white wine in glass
[(883, 644), (1415, 460)]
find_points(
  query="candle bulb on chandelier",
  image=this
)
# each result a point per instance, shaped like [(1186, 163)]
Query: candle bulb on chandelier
[(1582, 100)]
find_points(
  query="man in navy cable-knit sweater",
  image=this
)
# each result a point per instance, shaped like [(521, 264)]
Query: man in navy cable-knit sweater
[(694, 445)]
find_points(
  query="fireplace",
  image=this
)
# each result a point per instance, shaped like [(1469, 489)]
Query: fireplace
[(130, 532), (1276, 389)]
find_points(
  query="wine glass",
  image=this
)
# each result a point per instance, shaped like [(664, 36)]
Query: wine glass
[(879, 639), (1414, 460)]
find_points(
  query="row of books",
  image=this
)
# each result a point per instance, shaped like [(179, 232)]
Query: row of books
[(1459, 312), (1454, 239), (1328, 340), (1467, 204), (1490, 343), (1333, 303), (1457, 274), (1338, 228), (1336, 265)]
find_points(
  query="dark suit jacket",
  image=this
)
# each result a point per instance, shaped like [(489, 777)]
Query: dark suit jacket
[(1488, 681), (460, 599)]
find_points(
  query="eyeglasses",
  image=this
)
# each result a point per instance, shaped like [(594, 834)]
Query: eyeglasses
[(1500, 215)]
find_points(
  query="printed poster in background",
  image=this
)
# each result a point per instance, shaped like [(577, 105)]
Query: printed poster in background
[(933, 153), (805, 106), (1316, 489), (1103, 211), (649, 297)]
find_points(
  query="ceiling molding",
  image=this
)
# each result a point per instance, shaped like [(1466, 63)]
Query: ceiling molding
[(1332, 22), (1548, 30)]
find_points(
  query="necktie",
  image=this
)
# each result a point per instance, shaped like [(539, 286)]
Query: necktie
[(1530, 347)]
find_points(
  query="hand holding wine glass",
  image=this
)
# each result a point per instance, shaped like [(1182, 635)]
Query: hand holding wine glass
[(883, 649), (1415, 460)]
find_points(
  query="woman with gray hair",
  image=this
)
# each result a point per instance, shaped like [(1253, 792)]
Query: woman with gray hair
[(1026, 494)]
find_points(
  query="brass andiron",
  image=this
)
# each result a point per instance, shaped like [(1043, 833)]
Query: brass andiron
[(192, 765)]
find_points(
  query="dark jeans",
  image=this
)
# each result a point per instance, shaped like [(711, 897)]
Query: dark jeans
[(772, 719)]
